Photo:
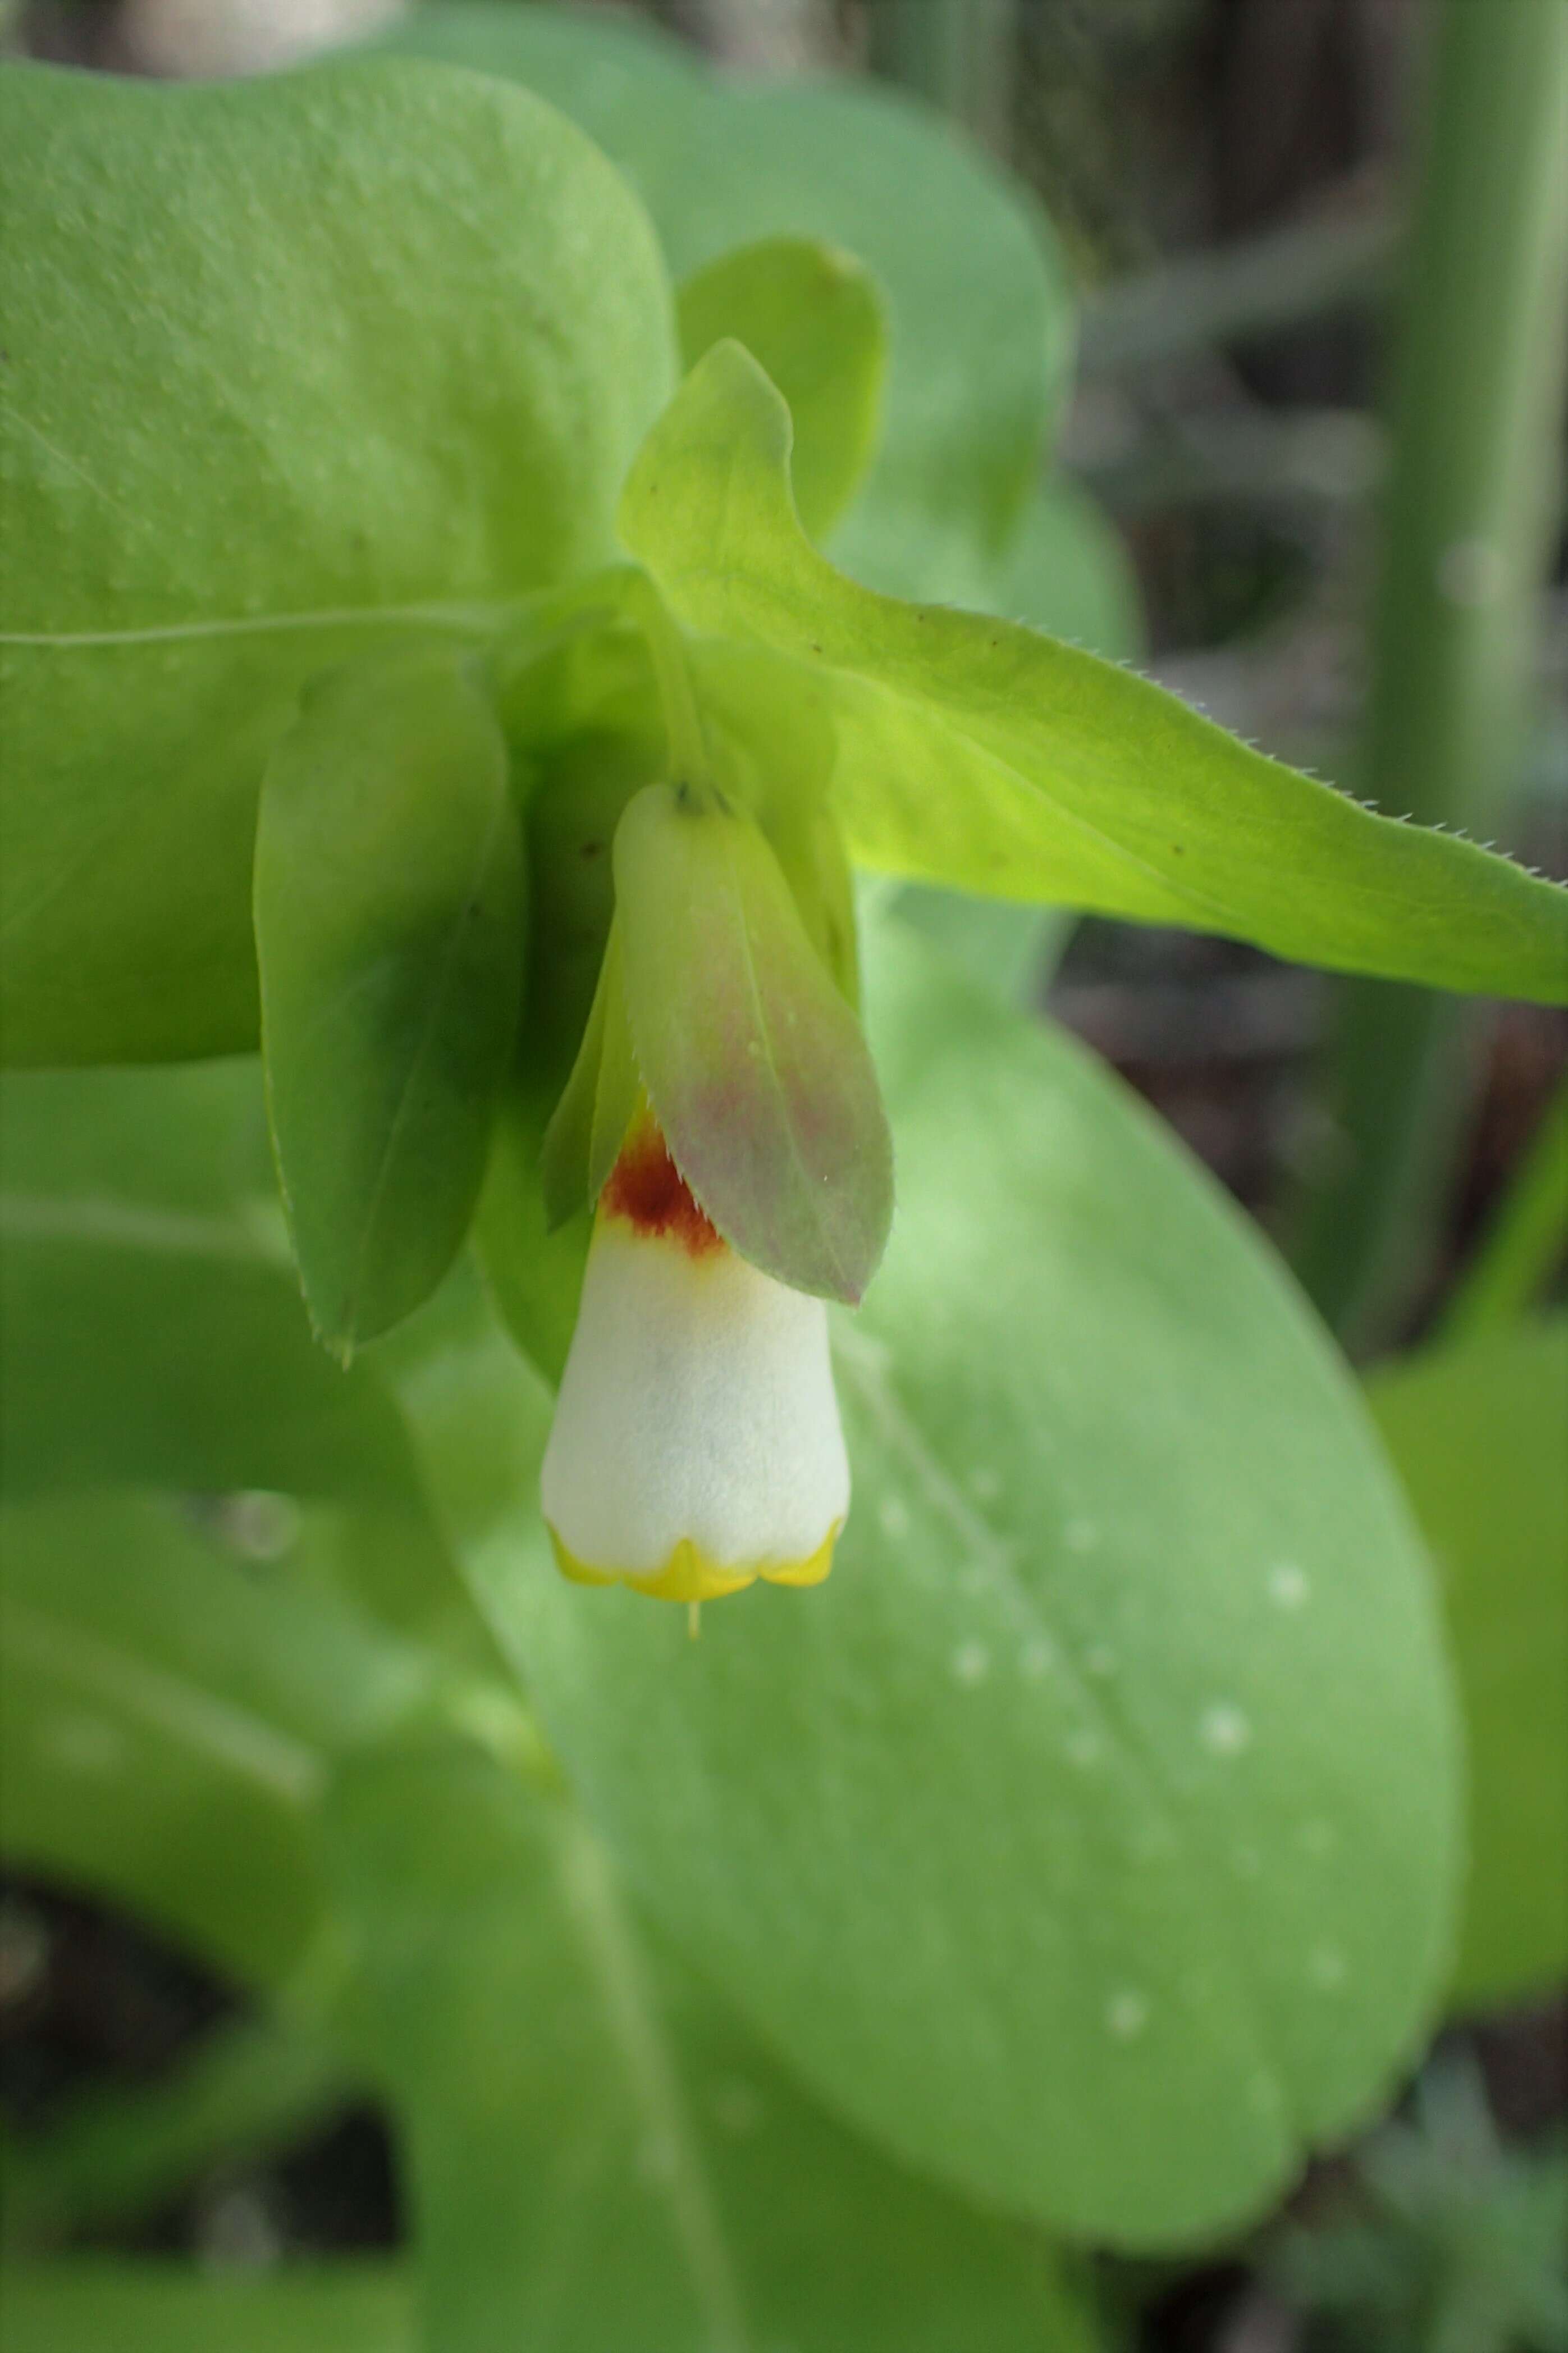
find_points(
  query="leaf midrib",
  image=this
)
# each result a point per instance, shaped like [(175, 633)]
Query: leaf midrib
[(97, 1220), (639, 2032), (164, 1702), (461, 618)]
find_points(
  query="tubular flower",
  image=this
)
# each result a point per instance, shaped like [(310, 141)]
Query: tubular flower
[(697, 1444), (722, 1116)]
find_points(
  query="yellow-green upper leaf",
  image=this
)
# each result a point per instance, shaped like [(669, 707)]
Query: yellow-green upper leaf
[(978, 753)]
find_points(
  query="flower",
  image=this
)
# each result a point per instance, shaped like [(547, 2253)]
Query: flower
[(697, 1444)]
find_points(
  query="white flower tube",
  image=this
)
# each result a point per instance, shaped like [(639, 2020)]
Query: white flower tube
[(697, 1443)]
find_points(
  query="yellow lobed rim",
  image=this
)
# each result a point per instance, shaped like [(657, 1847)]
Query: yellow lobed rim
[(688, 1575)]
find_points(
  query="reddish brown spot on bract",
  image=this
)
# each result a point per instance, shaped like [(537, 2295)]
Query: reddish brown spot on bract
[(648, 1189)]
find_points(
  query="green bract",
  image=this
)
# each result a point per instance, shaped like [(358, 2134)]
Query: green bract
[(296, 368), (591, 1118), (389, 927), (973, 752), (755, 1066), (812, 317), (715, 999)]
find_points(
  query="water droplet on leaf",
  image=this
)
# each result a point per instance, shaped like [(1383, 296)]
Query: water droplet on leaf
[(1287, 1584), (1224, 1729), (971, 1664), (1126, 2014)]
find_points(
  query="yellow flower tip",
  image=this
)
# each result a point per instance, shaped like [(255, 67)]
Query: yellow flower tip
[(697, 1444), (689, 1575)]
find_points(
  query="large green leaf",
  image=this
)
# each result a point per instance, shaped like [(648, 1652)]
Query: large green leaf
[(1089, 1836), (600, 2159), (295, 367), (979, 309), (979, 753), (168, 1720), (147, 2308), (154, 1333), (389, 926), (1479, 1432), (154, 1329), (811, 315)]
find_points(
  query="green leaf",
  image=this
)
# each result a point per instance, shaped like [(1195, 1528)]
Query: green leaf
[(567, 1156), (755, 1066), (1477, 1432), (979, 305), (590, 1123), (297, 367), (1067, 573), (600, 2159), (533, 1267), (161, 2307), (389, 928), (169, 1720), (153, 1332), (810, 315), (588, 725), (155, 1337), (1089, 1836), (977, 753)]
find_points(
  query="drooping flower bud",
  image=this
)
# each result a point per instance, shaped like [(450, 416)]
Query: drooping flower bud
[(697, 1444), (723, 1116)]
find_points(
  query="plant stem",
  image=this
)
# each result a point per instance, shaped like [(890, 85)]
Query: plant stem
[(249, 2090), (1526, 1238), (623, 591), (1470, 503), (1337, 260), (956, 53)]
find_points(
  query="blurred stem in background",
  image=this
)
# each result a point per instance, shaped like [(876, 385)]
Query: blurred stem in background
[(959, 54), (1343, 257), (1523, 1247), (1471, 509), (252, 2090)]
